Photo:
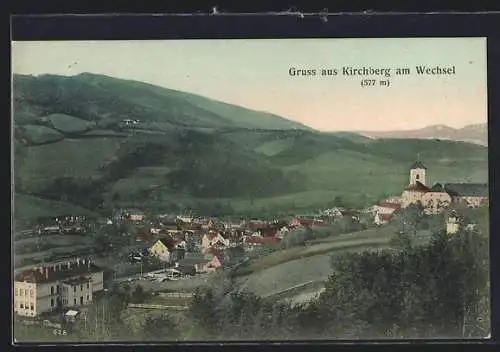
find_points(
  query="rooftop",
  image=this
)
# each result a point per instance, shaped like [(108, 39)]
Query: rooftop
[(418, 187), (467, 189), (418, 165), (77, 281), (438, 188), (56, 272), (390, 205), (193, 260)]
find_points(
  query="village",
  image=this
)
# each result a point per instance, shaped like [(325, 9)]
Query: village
[(162, 249)]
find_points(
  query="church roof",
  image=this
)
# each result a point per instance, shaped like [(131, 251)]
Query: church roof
[(438, 188), (418, 165), (417, 187), (467, 189)]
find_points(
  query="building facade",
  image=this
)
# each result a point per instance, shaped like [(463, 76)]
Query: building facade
[(44, 289)]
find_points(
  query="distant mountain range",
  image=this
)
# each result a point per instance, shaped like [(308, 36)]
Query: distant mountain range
[(477, 134)]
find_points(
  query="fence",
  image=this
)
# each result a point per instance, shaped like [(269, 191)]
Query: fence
[(176, 294), (156, 306), (298, 288)]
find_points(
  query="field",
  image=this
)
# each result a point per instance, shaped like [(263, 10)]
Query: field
[(287, 268), (31, 207)]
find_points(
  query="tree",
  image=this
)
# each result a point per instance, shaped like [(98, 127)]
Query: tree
[(162, 328), (102, 320)]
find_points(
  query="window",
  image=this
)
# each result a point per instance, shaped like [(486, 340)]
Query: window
[(87, 297), (88, 286), (57, 288), (32, 307), (74, 301), (418, 177), (81, 287), (26, 292), (51, 302), (31, 293), (21, 306), (74, 289), (51, 290), (17, 292)]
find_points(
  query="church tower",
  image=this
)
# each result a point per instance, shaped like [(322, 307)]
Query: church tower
[(417, 172)]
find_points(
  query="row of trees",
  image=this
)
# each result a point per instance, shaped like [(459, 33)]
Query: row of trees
[(83, 191), (439, 290)]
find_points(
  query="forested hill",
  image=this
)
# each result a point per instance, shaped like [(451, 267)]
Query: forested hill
[(105, 100), (96, 142)]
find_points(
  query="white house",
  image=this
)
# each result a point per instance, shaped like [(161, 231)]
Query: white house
[(45, 289)]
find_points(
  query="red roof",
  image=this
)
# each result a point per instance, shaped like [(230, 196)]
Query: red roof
[(395, 206), (311, 222), (48, 274), (385, 217), (263, 240)]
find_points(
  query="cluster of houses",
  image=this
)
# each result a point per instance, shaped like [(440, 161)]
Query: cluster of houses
[(433, 199), (64, 224), (197, 244)]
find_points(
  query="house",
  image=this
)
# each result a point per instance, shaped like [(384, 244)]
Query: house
[(155, 231), (184, 219), (45, 289), (471, 194), (436, 199), (295, 222), (333, 212), (213, 239), (163, 249), (282, 232), (453, 223), (387, 208), (71, 315), (311, 222), (382, 218), (251, 242), (255, 225), (193, 264), (134, 215), (213, 264), (267, 231)]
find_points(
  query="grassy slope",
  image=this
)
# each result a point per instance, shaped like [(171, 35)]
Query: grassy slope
[(29, 207), (287, 268), (358, 169), (108, 97), (38, 165)]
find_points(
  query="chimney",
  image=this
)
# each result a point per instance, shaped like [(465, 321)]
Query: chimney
[(60, 266), (54, 267), (88, 263), (46, 273), (69, 265), (40, 269), (83, 261), (77, 261)]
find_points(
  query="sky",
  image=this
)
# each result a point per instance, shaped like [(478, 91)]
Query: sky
[(255, 74)]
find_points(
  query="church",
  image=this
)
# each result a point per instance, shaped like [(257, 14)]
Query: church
[(438, 197)]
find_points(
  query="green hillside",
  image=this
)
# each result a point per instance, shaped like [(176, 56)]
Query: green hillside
[(186, 151), (109, 100)]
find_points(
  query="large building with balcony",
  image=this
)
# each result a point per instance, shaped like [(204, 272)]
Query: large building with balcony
[(45, 289)]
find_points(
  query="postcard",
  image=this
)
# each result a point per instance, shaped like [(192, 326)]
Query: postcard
[(239, 190)]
